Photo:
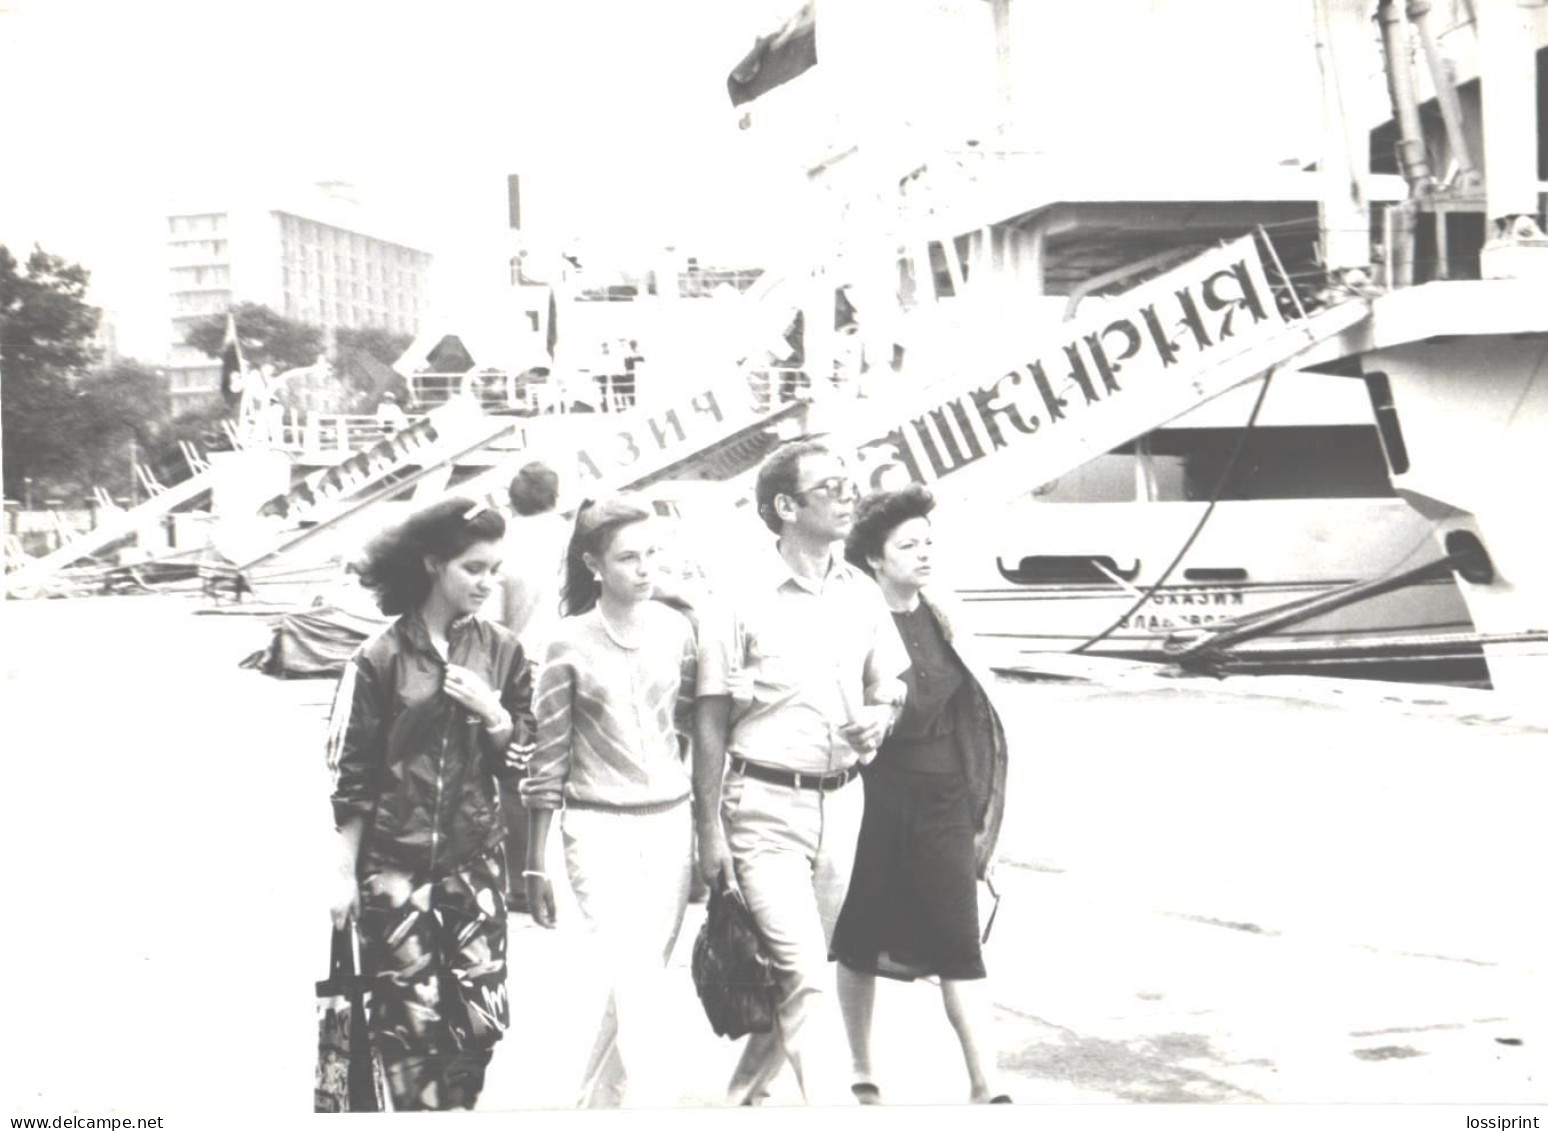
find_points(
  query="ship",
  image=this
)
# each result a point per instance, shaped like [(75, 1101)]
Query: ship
[(959, 236), (965, 294)]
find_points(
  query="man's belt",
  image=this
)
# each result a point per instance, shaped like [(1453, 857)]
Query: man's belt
[(823, 782)]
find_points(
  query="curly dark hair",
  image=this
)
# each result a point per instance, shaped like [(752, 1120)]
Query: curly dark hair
[(877, 516), (392, 565), (780, 474)]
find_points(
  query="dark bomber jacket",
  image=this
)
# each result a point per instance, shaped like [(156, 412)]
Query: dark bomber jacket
[(981, 745), (416, 765)]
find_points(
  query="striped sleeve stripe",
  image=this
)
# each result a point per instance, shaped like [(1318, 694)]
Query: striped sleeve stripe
[(546, 697), (338, 716)]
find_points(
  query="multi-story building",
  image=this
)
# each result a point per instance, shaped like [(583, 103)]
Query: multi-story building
[(318, 259)]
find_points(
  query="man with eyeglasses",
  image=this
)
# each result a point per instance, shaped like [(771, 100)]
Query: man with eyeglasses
[(798, 684)]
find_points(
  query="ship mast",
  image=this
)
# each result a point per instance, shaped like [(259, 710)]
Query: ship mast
[(1345, 158), (1515, 247)]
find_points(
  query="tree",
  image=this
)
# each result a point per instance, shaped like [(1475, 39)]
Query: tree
[(382, 344), (266, 338), (46, 329), (201, 425), (120, 415)]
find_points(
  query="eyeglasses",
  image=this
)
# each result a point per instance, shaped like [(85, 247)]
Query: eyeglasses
[(834, 486)]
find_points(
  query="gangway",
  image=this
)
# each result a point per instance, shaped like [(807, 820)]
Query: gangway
[(996, 429), (442, 439), (713, 433), (119, 524), (419, 445), (1127, 366), (989, 432)]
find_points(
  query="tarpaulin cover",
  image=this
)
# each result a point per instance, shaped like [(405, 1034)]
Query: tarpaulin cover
[(315, 642)]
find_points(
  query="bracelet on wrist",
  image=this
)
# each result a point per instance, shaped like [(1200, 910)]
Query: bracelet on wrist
[(528, 874)]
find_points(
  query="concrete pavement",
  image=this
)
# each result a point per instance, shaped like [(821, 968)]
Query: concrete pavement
[(1209, 896)]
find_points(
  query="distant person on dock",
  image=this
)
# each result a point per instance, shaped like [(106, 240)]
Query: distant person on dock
[(389, 415), (934, 797), (798, 684), (423, 726), (536, 540), (614, 703)]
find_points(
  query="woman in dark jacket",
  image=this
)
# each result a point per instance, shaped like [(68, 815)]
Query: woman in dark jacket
[(934, 796), (421, 737)]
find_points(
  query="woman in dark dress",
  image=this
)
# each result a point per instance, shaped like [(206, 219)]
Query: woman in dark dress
[(933, 801)]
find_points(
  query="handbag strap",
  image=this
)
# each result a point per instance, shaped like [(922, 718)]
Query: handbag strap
[(341, 962), (727, 902)]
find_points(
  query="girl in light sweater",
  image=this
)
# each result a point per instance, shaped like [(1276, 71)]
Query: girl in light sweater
[(613, 703)]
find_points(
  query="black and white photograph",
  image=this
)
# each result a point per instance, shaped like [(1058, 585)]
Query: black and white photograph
[(673, 555)]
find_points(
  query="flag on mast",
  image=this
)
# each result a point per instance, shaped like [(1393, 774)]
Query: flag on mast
[(231, 365)]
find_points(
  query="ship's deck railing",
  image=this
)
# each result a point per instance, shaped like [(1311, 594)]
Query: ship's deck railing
[(341, 432), (527, 393), (336, 435), (495, 390), (327, 434)]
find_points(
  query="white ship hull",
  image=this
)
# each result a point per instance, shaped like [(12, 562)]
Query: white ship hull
[(1032, 587)]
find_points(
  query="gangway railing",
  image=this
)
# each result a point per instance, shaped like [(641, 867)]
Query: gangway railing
[(119, 524), (444, 441), (647, 445), (339, 434), (193, 457), (420, 444), (16, 557)]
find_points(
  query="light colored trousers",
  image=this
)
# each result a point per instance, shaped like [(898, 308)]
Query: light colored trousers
[(630, 873), (794, 850)]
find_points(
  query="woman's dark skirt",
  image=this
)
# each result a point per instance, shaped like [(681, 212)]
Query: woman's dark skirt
[(912, 908)]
